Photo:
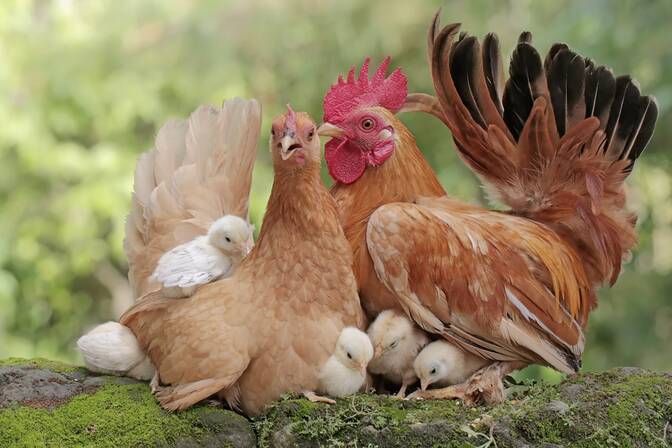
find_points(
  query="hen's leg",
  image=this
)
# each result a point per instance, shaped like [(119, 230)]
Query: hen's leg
[(155, 384), (484, 386), (312, 396)]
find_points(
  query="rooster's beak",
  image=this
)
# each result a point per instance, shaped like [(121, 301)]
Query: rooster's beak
[(288, 146), (330, 130)]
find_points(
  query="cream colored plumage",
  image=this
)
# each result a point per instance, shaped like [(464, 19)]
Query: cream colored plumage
[(269, 328), (443, 364), (396, 341), (205, 258), (344, 373), (112, 349), (199, 170)]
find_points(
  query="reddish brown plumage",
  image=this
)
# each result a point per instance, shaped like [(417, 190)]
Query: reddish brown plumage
[(508, 286)]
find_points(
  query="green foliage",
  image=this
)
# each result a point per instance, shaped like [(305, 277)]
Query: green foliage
[(85, 85)]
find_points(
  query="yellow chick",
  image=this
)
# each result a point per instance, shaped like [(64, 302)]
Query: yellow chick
[(396, 342), (444, 364), (344, 373)]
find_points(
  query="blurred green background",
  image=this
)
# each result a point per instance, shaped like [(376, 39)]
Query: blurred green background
[(85, 84)]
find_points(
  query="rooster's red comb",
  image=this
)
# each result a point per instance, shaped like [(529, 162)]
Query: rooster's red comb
[(344, 96)]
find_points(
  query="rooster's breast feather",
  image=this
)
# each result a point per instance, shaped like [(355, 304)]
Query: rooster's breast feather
[(502, 287)]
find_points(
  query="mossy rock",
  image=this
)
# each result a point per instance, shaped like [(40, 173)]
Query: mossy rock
[(621, 408), (49, 404)]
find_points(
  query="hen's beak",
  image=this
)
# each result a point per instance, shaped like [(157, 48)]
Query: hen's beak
[(288, 145), (423, 385), (330, 130)]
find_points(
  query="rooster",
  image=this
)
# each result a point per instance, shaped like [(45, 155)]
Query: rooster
[(269, 328), (556, 144)]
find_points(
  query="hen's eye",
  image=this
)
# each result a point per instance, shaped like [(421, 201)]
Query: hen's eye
[(311, 134), (367, 124), (228, 240), (394, 344), (273, 132)]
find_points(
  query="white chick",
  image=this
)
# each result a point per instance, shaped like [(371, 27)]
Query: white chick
[(344, 373), (396, 342), (444, 364), (204, 259), (112, 349)]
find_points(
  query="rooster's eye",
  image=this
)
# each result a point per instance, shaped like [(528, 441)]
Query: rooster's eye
[(311, 134), (273, 132), (367, 124)]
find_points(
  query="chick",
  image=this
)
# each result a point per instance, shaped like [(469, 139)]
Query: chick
[(444, 364), (204, 259), (396, 341), (344, 373), (112, 349)]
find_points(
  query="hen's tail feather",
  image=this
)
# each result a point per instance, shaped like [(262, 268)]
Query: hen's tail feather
[(183, 396), (559, 147), (199, 170)]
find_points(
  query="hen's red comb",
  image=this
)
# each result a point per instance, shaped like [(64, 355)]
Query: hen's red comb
[(290, 122), (344, 96)]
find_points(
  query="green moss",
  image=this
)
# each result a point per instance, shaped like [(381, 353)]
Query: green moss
[(615, 408), (115, 416), (40, 363)]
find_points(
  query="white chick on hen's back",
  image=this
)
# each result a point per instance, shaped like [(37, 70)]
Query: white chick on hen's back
[(396, 341), (204, 259), (344, 373), (444, 364)]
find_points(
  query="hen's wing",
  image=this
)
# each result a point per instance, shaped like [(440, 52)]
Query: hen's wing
[(500, 286), (179, 340), (555, 143), (191, 264), (199, 170)]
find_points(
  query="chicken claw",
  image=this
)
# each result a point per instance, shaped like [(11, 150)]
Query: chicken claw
[(313, 397), (484, 386)]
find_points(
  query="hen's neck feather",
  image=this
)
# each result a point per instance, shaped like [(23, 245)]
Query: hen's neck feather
[(299, 207)]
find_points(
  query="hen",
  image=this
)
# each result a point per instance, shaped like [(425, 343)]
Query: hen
[(513, 287), (269, 328)]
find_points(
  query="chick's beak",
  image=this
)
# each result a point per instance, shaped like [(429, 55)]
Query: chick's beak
[(330, 130), (377, 351), (362, 368), (423, 384)]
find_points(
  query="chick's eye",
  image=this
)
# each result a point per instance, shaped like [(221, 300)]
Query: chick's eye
[(311, 134), (228, 240), (394, 344), (433, 371), (367, 124), (273, 132), (349, 355)]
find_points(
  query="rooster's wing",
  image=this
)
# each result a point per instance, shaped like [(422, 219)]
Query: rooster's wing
[(499, 286)]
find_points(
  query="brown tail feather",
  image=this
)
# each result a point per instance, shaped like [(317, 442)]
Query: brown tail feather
[(558, 149)]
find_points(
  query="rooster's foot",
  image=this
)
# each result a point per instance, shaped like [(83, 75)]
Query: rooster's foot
[(485, 386)]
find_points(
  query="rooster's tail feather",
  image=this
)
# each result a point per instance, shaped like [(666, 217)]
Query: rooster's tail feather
[(555, 144)]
